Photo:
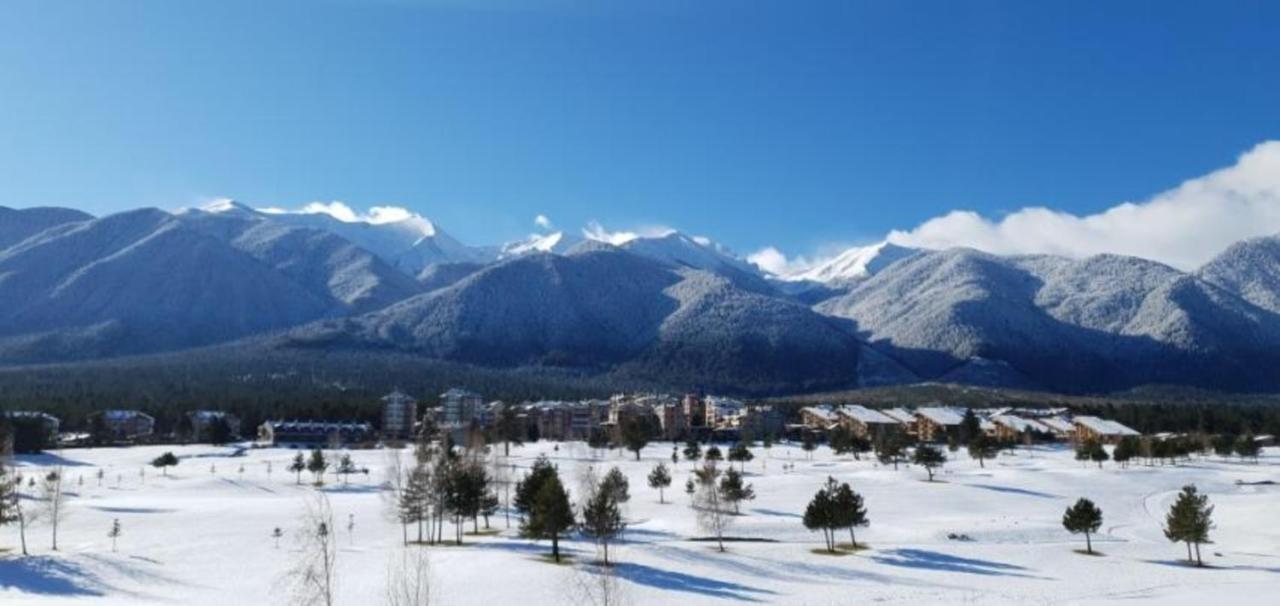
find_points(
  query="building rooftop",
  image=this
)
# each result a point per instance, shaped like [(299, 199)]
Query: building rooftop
[(864, 414), (941, 415), (1105, 427)]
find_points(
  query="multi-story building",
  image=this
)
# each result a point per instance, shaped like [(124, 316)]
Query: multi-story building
[(122, 425), (399, 415), (315, 434), (695, 409), (203, 423), (459, 407)]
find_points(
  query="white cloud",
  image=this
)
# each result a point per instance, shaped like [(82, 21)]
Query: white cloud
[(542, 222), (595, 231), (341, 211), (776, 262), (1183, 227)]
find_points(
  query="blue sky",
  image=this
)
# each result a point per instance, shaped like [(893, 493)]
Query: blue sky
[(792, 124)]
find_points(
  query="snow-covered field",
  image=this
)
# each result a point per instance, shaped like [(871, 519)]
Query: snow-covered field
[(198, 537)]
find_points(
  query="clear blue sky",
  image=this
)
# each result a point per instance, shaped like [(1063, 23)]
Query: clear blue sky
[(785, 123)]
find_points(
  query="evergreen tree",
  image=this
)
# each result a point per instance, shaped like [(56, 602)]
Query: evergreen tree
[(741, 454), (690, 488), (317, 464), (413, 504), (713, 454), (983, 447), (840, 439), (970, 426), (602, 519), (1247, 447), (550, 514), (298, 466), (820, 514), (808, 444), (849, 511), (890, 450), (1083, 517), (929, 457), (114, 533), (1125, 450), (597, 439), (734, 491), (1224, 445), (1092, 450), (660, 479), (635, 435), (1189, 521), (346, 467), (527, 489), (692, 452), (616, 484), (164, 462)]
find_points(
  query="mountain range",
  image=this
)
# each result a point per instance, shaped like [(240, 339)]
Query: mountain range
[(670, 309)]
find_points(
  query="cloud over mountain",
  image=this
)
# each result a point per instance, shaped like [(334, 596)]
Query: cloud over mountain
[(1184, 227)]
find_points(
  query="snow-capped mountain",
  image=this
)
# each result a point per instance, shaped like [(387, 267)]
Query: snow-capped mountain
[(136, 282), (605, 308), (17, 225), (557, 242), (408, 242), (664, 306), (852, 265)]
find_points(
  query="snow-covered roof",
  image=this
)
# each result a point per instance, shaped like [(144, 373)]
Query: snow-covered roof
[(397, 396), (1105, 427), (121, 415), (865, 415), (820, 411), (899, 415), (941, 415), (1019, 424), (458, 392), (1057, 424), (208, 415)]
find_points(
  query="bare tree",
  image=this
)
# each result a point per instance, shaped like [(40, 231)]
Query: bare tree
[(715, 513), (54, 500), (409, 578), (313, 578), (593, 585)]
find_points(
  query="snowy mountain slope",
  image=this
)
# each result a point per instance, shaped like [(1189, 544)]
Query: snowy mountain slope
[(854, 264), (557, 242), (601, 308), (137, 281), (17, 225), (1251, 269), (324, 263), (678, 250), (1099, 322), (441, 275), (409, 244)]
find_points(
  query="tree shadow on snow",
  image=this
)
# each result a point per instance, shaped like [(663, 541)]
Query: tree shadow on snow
[(1012, 490), (49, 459), (774, 512), (649, 576), (933, 560), (46, 575)]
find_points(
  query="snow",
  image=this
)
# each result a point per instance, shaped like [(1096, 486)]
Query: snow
[(864, 414), (941, 415), (201, 538), (1105, 427)]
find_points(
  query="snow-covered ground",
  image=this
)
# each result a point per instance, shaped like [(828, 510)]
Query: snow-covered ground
[(198, 537)]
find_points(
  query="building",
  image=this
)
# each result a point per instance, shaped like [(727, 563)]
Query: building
[(315, 434), (819, 418), (33, 430), (721, 411), (124, 425), (1102, 430), (936, 422), (459, 407), (399, 415), (1059, 427), (758, 422), (672, 420), (695, 409), (1010, 428), (203, 423), (865, 422)]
